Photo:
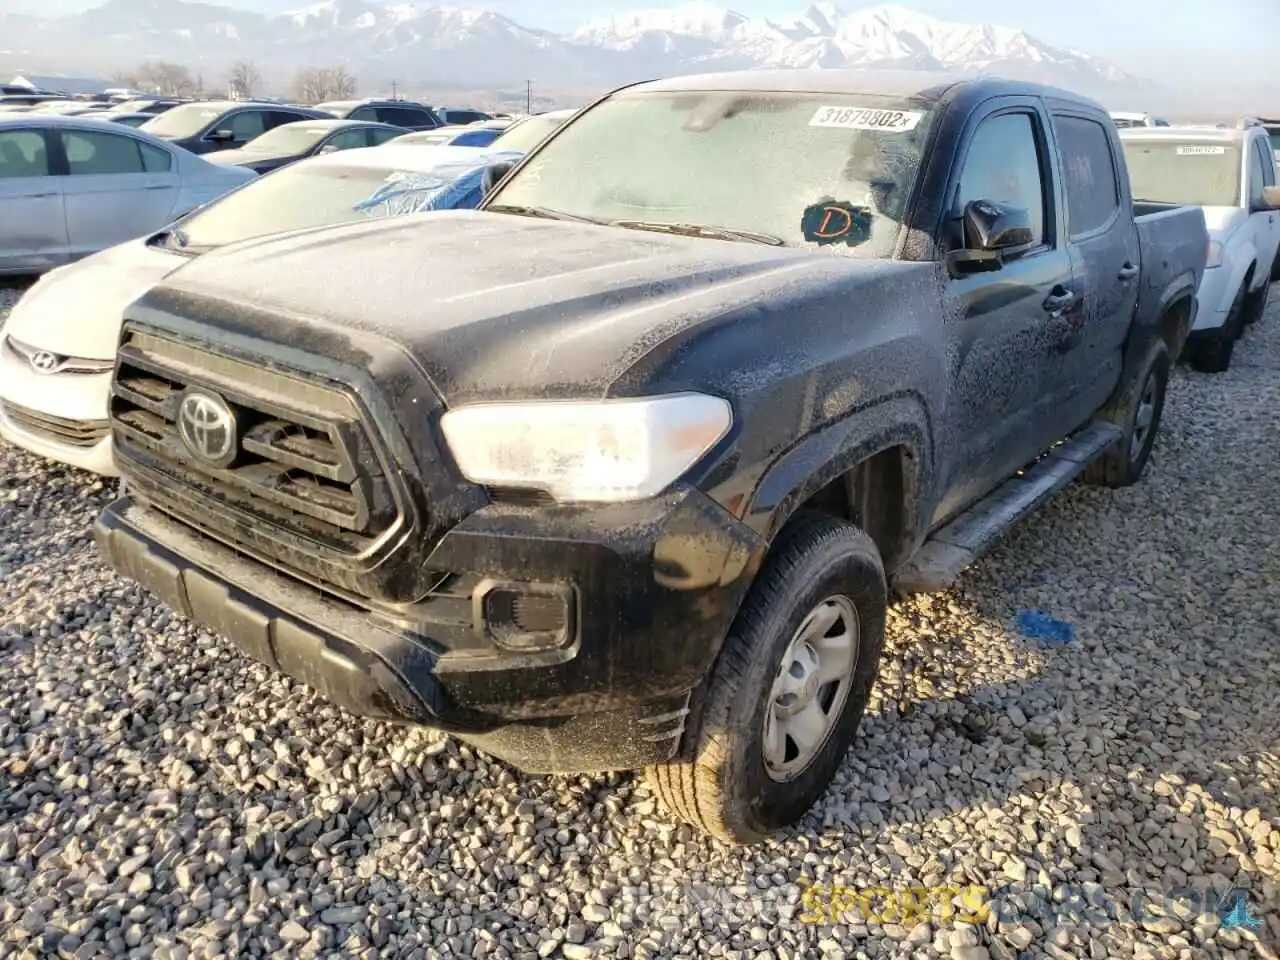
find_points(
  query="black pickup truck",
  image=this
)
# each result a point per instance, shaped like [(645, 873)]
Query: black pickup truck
[(619, 471)]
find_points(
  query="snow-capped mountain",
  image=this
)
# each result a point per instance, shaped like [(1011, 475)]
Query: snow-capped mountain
[(424, 43), (826, 36)]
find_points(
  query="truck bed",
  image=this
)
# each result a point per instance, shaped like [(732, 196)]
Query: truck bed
[(1173, 241)]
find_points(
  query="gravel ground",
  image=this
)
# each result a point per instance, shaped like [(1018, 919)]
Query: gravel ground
[(162, 796)]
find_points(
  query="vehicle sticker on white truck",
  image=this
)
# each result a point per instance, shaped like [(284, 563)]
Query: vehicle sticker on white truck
[(865, 118), (1201, 151)]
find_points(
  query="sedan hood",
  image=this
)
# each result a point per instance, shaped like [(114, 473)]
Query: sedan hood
[(495, 306), (76, 310), (243, 157), (1221, 222)]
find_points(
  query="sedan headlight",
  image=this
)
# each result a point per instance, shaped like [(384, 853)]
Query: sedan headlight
[(599, 450), (1215, 255)]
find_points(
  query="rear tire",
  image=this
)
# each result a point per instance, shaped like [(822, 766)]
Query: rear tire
[(1212, 354), (1137, 411), (737, 782)]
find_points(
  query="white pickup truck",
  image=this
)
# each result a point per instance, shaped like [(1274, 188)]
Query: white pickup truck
[(1232, 175)]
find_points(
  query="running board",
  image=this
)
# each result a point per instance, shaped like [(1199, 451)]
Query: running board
[(966, 538)]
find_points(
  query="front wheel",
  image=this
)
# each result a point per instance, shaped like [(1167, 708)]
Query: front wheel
[(788, 689), (1136, 410), (1212, 353), (1255, 305)]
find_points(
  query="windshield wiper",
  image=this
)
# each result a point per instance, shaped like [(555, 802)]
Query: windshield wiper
[(545, 212), (701, 230)]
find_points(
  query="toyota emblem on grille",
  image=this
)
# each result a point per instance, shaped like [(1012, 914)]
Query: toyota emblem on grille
[(207, 425), (42, 361)]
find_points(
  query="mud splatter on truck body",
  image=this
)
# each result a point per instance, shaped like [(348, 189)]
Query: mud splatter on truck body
[(841, 401)]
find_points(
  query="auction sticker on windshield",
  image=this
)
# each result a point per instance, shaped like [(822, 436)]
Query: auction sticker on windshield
[(864, 118), (1201, 151)]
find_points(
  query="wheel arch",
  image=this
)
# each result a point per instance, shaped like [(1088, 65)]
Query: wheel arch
[(873, 468)]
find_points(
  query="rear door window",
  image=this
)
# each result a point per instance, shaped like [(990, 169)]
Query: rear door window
[(101, 154), (1088, 163)]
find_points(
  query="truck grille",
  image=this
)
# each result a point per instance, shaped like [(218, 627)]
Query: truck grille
[(300, 471), (74, 433)]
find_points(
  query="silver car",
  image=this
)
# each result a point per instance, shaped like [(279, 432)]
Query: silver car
[(71, 186)]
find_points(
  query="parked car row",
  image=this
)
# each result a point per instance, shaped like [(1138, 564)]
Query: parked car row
[(622, 403)]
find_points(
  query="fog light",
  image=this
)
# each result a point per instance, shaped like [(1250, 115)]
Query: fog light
[(525, 617)]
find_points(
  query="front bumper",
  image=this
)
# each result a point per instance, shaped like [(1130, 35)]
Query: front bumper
[(60, 416), (650, 591)]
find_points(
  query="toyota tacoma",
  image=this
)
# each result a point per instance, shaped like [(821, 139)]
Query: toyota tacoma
[(621, 470)]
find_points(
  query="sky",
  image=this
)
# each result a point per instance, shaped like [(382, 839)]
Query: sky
[(1218, 42)]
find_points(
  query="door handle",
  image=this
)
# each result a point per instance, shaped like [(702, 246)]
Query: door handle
[(1127, 272), (157, 186), (40, 196), (1056, 304)]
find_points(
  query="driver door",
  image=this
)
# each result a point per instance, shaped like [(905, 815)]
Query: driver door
[(1005, 361)]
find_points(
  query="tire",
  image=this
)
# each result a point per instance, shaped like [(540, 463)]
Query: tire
[(724, 784), (1212, 354), (1275, 269), (1142, 399), (1255, 306)]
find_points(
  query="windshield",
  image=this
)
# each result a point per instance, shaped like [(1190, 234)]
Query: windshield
[(1274, 134), (131, 106), (289, 139), (524, 135), (428, 137), (302, 196), (1197, 174), (812, 170), (184, 121)]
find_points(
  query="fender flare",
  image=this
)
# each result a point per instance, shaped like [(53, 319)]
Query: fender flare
[(837, 448), (1249, 261)]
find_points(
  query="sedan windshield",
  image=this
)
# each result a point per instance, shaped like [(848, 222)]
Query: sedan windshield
[(526, 134), (831, 171), (289, 139), (303, 196), (184, 121), (1197, 174)]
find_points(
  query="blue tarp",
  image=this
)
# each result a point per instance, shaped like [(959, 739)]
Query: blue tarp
[(1037, 625), (452, 185)]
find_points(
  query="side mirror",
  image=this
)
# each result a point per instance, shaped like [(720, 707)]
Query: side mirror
[(991, 228), (1270, 198), (222, 136), (327, 148), (492, 174)]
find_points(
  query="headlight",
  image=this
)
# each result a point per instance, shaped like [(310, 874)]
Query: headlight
[(1215, 255), (601, 450)]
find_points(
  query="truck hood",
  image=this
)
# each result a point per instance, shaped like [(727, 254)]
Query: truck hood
[(497, 306), (77, 310)]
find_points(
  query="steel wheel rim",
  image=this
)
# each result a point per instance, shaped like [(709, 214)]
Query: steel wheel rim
[(1143, 417), (810, 688)]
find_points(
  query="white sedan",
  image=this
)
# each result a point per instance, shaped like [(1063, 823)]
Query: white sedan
[(71, 186), (58, 346)]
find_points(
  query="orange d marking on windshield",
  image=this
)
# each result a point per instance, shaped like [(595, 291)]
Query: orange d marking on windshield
[(844, 223)]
